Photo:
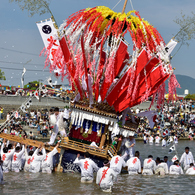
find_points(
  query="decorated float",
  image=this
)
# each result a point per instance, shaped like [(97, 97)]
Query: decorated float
[(113, 61)]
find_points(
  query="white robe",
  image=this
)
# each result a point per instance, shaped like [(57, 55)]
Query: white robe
[(164, 143), (105, 178), (28, 161), (190, 171), (157, 140), (186, 159), (87, 167), (134, 166), (47, 163), (149, 166), (175, 170), (35, 165), (162, 166), (6, 158), (17, 160), (117, 163)]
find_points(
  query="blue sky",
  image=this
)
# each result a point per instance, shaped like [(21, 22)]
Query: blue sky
[(20, 40)]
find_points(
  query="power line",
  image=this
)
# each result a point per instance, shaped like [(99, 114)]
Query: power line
[(22, 69), (20, 63), (13, 50)]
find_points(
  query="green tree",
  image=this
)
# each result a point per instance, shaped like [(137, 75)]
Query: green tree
[(2, 77), (190, 97), (187, 29), (33, 6), (33, 85)]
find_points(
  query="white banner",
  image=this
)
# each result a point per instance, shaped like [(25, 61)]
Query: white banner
[(48, 32)]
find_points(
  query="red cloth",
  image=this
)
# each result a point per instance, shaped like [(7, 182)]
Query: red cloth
[(70, 66), (91, 137)]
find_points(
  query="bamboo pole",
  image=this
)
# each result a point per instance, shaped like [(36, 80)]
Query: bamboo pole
[(124, 6)]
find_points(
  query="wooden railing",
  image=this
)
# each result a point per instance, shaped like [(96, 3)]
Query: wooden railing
[(30, 142), (81, 147), (105, 153)]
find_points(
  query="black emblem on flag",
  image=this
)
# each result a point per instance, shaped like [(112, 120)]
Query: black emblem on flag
[(46, 29)]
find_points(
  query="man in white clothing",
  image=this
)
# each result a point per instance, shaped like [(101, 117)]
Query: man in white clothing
[(47, 163), (164, 142), (161, 168), (175, 169), (157, 139), (134, 164), (37, 158), (117, 162), (151, 139), (186, 158), (191, 170), (129, 144), (105, 177), (57, 119), (6, 157), (28, 156), (17, 159), (149, 166), (87, 167)]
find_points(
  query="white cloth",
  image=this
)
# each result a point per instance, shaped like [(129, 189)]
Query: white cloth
[(87, 167), (27, 162), (175, 170), (157, 140), (17, 160), (190, 171), (163, 166), (105, 178), (57, 127), (47, 163), (164, 143), (151, 140), (129, 151), (186, 159), (175, 139), (35, 165), (6, 158), (149, 166), (117, 163), (134, 166)]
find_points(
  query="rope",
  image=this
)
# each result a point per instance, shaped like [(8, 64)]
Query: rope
[(116, 4), (131, 5)]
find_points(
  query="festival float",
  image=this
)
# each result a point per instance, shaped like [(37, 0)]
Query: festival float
[(91, 51)]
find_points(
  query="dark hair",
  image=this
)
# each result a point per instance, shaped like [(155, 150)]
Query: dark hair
[(106, 161), (187, 148), (86, 154), (176, 162), (17, 148), (5, 150), (158, 159), (56, 109), (150, 156), (40, 153), (30, 153), (119, 152), (137, 153), (165, 156), (9, 146)]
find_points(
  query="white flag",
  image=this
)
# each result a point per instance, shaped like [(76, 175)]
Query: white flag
[(36, 94), (48, 32), (169, 140), (170, 46), (16, 114), (50, 81), (171, 149), (174, 158)]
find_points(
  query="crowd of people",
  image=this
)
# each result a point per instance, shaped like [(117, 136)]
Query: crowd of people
[(177, 118), (17, 157), (107, 175)]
